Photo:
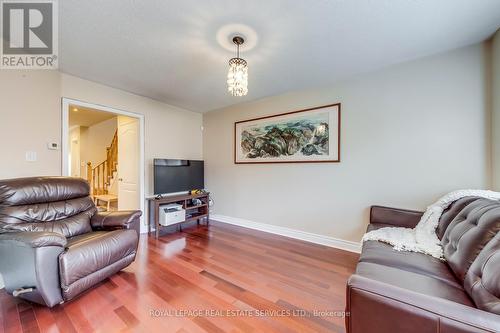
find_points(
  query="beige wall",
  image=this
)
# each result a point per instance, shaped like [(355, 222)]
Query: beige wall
[(495, 57), (410, 133), (30, 117)]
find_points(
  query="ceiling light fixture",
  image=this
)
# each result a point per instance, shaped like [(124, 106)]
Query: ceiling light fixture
[(237, 77)]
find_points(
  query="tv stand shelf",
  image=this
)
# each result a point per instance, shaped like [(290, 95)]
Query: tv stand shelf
[(193, 207), (193, 212)]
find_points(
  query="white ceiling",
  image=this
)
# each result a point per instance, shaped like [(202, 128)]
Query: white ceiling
[(80, 116), (177, 51)]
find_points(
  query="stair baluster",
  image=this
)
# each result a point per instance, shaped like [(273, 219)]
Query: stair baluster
[(100, 176)]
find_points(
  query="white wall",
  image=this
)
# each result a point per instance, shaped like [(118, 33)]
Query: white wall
[(410, 133), (495, 57), (99, 137)]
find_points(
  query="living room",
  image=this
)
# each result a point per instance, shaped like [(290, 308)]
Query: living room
[(276, 146)]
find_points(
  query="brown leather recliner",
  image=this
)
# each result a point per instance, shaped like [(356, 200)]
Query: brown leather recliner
[(54, 244), (411, 292)]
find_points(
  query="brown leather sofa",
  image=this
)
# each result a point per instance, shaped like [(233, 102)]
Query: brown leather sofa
[(54, 244), (395, 291)]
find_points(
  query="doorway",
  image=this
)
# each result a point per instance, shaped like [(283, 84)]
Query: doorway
[(105, 146)]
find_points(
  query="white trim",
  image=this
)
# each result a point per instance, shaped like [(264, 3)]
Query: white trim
[(65, 102), (292, 233)]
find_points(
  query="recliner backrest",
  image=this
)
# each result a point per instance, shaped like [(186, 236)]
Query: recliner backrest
[(57, 204)]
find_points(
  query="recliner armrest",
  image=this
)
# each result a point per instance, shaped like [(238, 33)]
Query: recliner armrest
[(395, 216), (34, 239), (29, 261), (125, 219), (381, 307)]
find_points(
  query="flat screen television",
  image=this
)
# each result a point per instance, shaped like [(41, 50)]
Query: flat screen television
[(172, 176)]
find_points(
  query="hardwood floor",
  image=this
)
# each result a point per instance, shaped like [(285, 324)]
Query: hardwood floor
[(217, 279)]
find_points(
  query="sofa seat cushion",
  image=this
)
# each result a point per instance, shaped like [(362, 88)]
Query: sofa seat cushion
[(375, 226), (419, 263), (83, 237), (384, 254), (416, 282), (88, 253)]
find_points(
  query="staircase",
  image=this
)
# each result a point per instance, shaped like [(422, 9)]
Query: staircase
[(100, 177)]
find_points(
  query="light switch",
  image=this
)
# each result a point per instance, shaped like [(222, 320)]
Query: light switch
[(31, 156)]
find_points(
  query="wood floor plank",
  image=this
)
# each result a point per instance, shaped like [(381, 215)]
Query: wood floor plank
[(45, 320), (10, 314), (128, 318), (62, 320), (216, 278), (28, 320)]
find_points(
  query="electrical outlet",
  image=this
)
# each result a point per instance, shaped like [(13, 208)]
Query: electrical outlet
[(53, 145)]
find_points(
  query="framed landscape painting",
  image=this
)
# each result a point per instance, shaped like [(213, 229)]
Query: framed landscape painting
[(304, 136)]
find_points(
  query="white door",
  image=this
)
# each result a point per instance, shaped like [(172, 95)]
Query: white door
[(128, 163), (74, 136)]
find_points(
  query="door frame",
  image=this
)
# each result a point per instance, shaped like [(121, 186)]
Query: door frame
[(65, 103)]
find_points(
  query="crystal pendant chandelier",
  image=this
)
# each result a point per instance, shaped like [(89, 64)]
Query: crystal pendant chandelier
[(237, 76)]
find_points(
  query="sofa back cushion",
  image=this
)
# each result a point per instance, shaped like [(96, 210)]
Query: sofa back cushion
[(58, 204), (468, 234), (482, 281), (451, 212)]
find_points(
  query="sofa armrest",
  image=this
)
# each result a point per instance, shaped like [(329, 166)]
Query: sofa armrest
[(374, 306), (395, 216), (125, 219), (34, 239)]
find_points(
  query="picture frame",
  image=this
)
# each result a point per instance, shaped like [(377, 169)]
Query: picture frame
[(304, 136)]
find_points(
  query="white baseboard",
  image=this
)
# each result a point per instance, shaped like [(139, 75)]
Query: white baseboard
[(292, 233)]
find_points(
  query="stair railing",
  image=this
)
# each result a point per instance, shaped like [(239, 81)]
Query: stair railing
[(99, 176)]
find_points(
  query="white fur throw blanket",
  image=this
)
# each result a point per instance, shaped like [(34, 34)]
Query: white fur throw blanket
[(423, 237)]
